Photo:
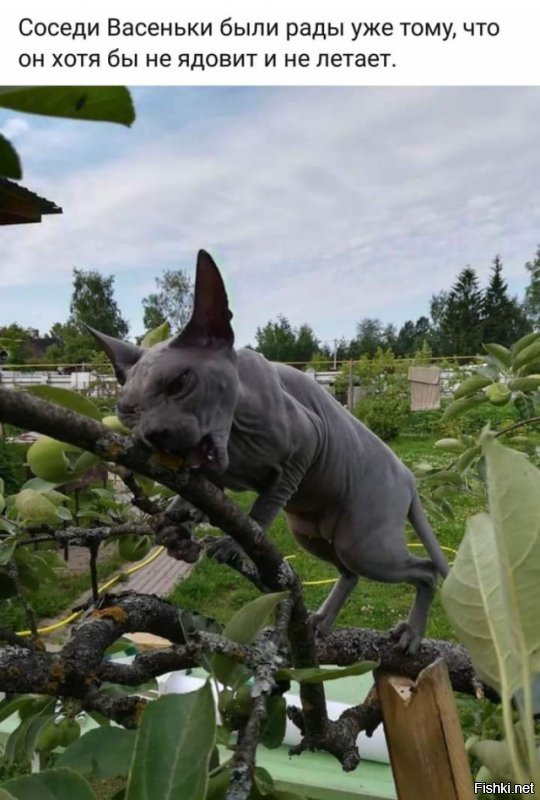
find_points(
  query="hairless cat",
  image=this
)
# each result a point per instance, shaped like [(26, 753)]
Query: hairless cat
[(250, 424)]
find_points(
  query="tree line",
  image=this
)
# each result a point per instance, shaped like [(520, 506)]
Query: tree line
[(457, 322)]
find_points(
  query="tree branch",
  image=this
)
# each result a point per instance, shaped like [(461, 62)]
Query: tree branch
[(344, 646)]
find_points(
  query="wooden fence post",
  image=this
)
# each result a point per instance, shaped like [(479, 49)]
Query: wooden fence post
[(424, 737)]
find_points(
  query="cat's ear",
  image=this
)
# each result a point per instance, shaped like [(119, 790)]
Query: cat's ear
[(122, 355)]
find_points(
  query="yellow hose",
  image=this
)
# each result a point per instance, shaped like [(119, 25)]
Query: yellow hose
[(71, 617), (333, 580)]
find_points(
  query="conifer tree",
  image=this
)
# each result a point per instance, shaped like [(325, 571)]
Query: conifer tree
[(462, 318), (532, 294), (504, 318)]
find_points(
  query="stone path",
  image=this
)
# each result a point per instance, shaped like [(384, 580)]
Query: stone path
[(159, 577)]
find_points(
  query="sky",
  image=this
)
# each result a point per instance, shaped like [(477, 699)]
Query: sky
[(326, 205)]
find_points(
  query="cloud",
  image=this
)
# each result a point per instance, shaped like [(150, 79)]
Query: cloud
[(15, 128), (326, 205)]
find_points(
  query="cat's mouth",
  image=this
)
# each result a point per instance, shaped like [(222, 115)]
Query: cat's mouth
[(203, 454)]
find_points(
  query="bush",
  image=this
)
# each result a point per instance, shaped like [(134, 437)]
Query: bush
[(384, 415), (430, 423), (384, 386)]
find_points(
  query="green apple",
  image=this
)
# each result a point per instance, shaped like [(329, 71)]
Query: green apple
[(58, 462), (114, 424)]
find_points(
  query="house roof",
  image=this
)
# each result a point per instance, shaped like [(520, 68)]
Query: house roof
[(19, 205)]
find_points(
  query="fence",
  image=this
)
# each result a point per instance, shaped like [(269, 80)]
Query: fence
[(79, 377)]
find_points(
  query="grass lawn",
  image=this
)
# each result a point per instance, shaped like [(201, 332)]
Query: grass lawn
[(218, 591)]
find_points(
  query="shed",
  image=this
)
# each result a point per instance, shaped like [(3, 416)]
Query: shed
[(19, 205), (425, 383)]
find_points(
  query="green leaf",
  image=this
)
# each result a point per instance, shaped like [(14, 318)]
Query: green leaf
[(217, 785), (483, 775), (318, 675), (489, 370), (514, 503), (10, 166), (468, 457), (471, 385), (54, 784), (263, 784), (13, 704), (8, 525), (64, 513), (7, 548), (524, 405), (173, 748), (102, 753), (265, 789), (273, 729), (528, 384), (33, 508), (39, 485), (423, 468), (500, 353), (99, 103), (491, 594), (462, 405), (157, 335), (28, 574), (451, 445), (248, 622), (494, 755), (244, 627), (36, 727), (525, 356), (443, 491), (67, 399), (14, 747), (473, 599), (524, 342), (43, 569), (532, 368), (444, 476)]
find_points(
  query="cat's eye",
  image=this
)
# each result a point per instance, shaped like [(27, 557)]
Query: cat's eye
[(179, 382)]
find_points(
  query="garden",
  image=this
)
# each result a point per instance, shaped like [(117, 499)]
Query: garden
[(83, 714), (461, 469)]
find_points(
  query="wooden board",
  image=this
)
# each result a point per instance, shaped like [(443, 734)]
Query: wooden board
[(424, 736)]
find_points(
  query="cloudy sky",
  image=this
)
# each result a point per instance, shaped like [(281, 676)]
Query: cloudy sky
[(324, 204)]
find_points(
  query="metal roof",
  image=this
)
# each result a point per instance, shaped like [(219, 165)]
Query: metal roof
[(19, 205)]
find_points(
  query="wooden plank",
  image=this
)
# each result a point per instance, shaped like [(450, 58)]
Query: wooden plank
[(424, 737)]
